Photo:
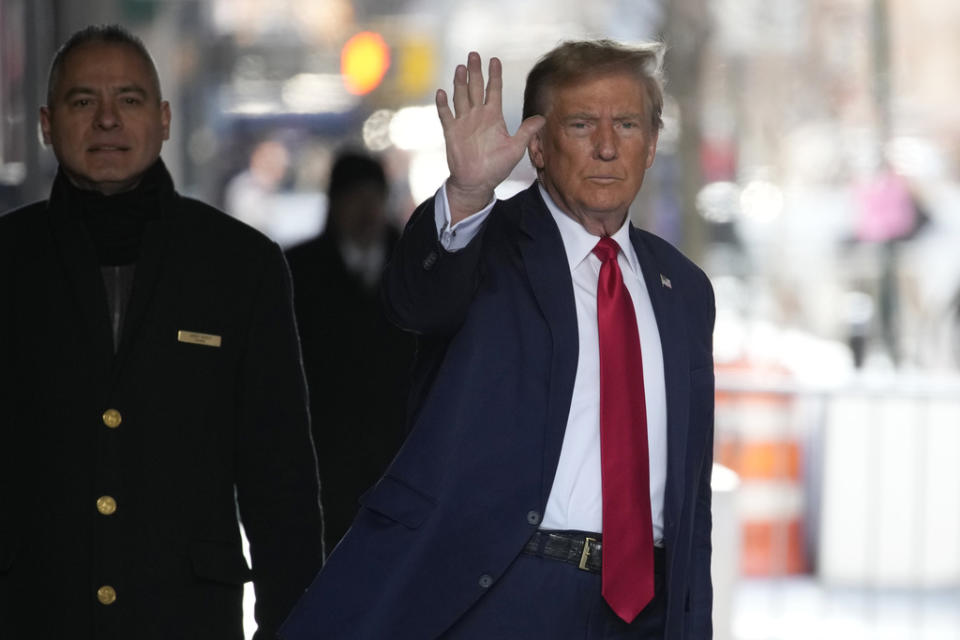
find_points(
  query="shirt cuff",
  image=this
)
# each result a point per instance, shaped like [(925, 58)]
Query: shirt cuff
[(456, 237)]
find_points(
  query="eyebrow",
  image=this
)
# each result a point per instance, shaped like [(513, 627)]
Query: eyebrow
[(78, 91), (87, 91), (584, 115), (132, 88)]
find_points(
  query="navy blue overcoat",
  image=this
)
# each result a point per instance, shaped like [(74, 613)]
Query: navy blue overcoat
[(469, 486)]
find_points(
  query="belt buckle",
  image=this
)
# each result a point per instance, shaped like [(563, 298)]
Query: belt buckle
[(585, 555)]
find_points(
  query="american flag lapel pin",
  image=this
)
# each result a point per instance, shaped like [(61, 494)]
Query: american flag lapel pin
[(665, 281)]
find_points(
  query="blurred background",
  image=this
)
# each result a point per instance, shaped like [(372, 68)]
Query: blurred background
[(810, 164)]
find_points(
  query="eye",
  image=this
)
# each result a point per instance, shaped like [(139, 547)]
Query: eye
[(80, 102), (131, 100)]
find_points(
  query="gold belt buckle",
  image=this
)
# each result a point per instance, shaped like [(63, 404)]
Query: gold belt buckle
[(586, 552)]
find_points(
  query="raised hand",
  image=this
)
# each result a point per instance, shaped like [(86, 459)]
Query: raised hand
[(481, 153)]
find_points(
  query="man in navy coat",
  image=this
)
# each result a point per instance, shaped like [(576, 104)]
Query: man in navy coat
[(491, 521)]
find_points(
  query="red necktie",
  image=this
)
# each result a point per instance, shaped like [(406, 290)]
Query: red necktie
[(627, 570)]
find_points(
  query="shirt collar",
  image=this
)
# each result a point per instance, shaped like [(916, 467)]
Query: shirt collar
[(579, 243)]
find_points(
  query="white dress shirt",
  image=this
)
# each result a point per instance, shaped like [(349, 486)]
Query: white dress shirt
[(575, 500), (364, 262)]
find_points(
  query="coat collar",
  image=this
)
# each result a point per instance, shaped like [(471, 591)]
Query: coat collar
[(78, 262), (545, 262), (672, 325)]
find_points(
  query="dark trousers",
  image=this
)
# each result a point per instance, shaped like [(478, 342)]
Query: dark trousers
[(545, 598)]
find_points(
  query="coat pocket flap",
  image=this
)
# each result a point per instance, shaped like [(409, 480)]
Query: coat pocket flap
[(220, 562), (398, 501)]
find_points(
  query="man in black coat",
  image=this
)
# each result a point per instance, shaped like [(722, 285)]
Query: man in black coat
[(357, 363), (150, 382)]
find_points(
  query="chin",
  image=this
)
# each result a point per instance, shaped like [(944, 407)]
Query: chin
[(609, 205), (110, 175)]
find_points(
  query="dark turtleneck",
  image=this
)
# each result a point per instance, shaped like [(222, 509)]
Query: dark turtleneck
[(116, 225)]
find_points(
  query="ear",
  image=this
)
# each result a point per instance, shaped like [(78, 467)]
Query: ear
[(165, 119), (535, 150), (45, 125), (652, 149)]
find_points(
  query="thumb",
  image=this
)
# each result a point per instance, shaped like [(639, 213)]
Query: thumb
[(528, 128)]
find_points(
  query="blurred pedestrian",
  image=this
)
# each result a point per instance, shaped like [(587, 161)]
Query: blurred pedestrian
[(150, 383), (250, 196), (357, 363)]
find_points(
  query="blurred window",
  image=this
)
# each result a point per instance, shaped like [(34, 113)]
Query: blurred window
[(13, 166)]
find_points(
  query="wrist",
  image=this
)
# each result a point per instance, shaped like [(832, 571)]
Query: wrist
[(464, 202)]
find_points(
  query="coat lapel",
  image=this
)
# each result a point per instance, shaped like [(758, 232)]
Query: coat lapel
[(153, 253), (672, 326), (78, 262), (544, 259)]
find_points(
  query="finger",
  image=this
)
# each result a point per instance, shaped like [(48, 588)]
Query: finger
[(495, 83), (475, 83), (443, 109), (528, 129), (461, 100)]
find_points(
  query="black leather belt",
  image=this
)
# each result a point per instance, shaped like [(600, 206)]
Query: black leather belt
[(574, 547), (581, 548)]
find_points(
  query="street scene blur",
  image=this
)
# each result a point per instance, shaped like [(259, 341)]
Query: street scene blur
[(810, 163)]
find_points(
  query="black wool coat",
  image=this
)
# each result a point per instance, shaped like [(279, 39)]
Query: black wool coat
[(121, 474), (358, 371)]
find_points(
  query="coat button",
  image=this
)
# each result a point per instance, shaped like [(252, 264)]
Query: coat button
[(533, 517), (106, 594), (106, 505), (112, 418), (486, 581), (430, 260)]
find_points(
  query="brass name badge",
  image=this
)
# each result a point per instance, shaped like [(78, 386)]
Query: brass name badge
[(206, 339)]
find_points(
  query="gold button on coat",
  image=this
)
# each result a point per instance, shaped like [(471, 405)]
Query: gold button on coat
[(106, 505), (112, 418), (106, 594)]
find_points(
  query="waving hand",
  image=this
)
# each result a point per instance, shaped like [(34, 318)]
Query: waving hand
[(481, 153)]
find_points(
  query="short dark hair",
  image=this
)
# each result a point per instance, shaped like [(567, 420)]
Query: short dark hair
[(352, 167), (572, 61), (102, 33)]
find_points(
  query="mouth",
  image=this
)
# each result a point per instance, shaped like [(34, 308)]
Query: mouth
[(604, 179), (107, 148)]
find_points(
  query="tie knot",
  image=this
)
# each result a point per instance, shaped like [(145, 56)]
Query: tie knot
[(606, 249)]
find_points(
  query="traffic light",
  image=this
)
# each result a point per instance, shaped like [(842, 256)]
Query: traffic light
[(364, 61)]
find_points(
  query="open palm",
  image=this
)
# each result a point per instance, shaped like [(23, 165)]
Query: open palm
[(481, 153)]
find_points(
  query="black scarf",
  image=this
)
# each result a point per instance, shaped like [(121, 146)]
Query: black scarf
[(116, 223)]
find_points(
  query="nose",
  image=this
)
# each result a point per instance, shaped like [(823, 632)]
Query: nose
[(107, 116), (605, 141)]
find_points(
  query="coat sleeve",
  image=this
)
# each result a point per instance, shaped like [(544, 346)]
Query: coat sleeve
[(7, 417), (700, 608), (700, 605), (277, 482), (427, 289)]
